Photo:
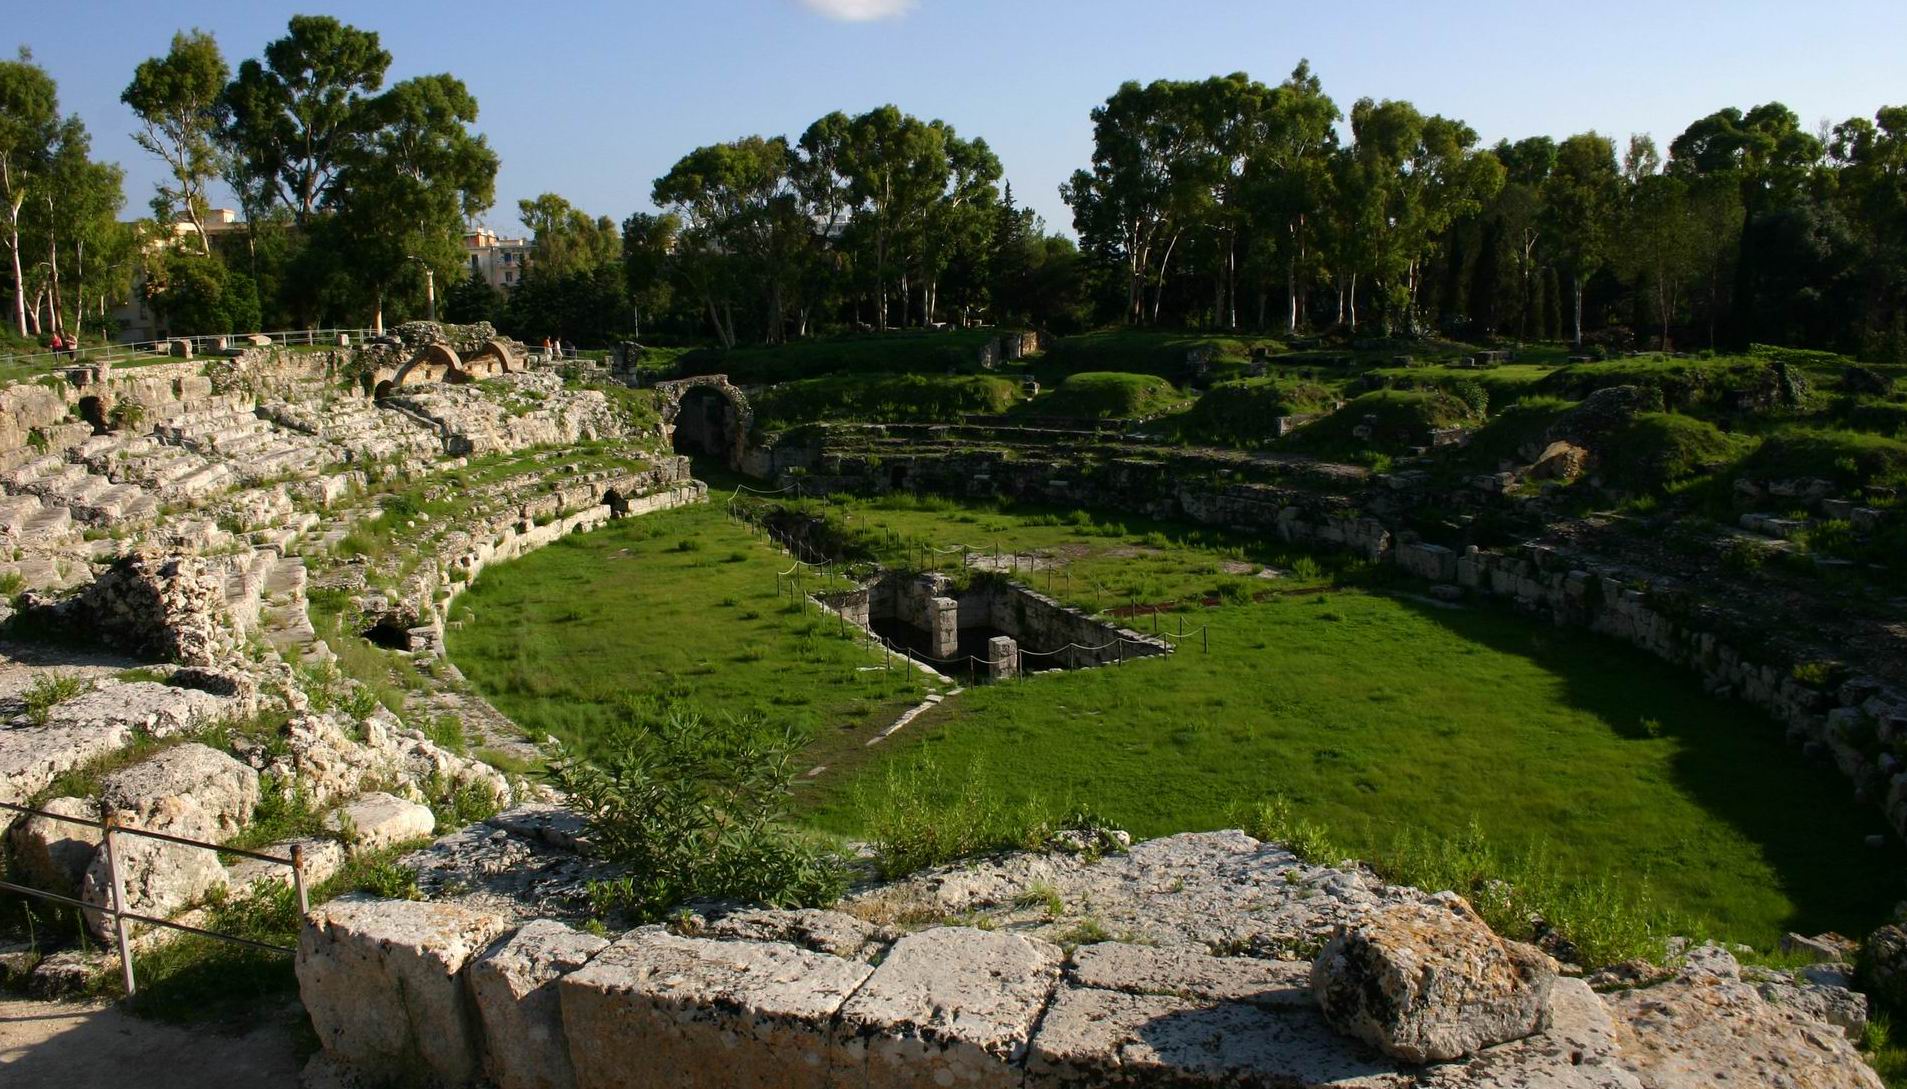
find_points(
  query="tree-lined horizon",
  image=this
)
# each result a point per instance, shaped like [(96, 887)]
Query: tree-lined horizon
[(1222, 204)]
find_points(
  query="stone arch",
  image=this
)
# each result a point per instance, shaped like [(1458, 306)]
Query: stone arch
[(617, 503), (706, 414), (432, 363), (491, 358)]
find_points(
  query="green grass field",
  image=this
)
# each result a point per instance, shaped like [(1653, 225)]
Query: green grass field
[(1373, 711)]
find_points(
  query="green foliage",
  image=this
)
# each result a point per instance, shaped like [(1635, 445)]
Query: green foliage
[(1849, 458), (1397, 419), (898, 398), (1106, 395), (697, 809), (1246, 411), (1656, 449), (916, 816), (49, 690)]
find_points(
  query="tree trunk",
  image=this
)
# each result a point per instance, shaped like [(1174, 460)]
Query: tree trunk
[(1576, 289), (19, 278), (1353, 296)]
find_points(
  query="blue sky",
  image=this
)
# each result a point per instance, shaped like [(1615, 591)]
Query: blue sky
[(595, 100)]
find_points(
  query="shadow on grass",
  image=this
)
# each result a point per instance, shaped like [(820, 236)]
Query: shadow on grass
[(1736, 765)]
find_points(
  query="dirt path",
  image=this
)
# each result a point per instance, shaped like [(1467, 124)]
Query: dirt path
[(80, 1045)]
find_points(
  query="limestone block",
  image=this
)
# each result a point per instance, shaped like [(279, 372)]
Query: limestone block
[(53, 854), (656, 1010), (378, 820), (322, 859), (1431, 982), (1147, 970), (1003, 657), (380, 980), (1091, 1037), (161, 879), (31, 756), (147, 706), (1575, 1050), (188, 790), (943, 626), (514, 987), (1705, 1020), (951, 1006), (810, 928)]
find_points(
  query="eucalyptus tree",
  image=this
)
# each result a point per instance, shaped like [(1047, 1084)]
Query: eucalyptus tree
[(295, 117), (897, 168), (29, 119), (1580, 199), (1134, 203), (179, 100), (1288, 178), (733, 202), (959, 223), (75, 215), (404, 193)]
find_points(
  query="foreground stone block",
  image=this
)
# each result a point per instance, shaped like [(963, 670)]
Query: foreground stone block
[(1430, 982), (514, 985), (952, 1006), (53, 854), (1575, 1050), (656, 1010), (189, 790), (810, 928), (156, 709), (380, 980), (1707, 1021), (1135, 1016), (33, 756), (376, 821)]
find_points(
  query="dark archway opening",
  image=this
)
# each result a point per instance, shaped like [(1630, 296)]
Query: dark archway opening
[(383, 390), (389, 635), (93, 411), (618, 506), (706, 423)]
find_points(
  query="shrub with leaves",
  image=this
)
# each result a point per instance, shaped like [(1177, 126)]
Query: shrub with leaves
[(697, 809)]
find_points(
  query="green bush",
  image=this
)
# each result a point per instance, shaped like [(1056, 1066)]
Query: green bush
[(1849, 458), (1246, 410), (1656, 449), (1107, 395), (916, 817), (920, 398), (1398, 418), (697, 810)]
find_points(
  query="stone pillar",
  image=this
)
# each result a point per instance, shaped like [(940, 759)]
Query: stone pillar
[(344, 340), (943, 627), (1003, 658)]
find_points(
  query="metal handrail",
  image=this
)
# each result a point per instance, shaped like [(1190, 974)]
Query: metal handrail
[(116, 350), (116, 909)]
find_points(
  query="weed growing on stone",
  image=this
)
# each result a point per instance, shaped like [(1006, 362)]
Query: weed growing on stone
[(696, 810), (48, 691)]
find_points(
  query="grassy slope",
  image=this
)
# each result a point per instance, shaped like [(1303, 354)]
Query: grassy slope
[(559, 639), (1373, 713)]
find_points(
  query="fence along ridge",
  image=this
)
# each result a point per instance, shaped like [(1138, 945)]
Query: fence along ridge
[(117, 910)]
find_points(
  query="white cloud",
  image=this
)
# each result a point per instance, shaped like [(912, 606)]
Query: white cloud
[(858, 11)]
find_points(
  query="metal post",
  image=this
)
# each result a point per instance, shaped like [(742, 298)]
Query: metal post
[(298, 879), (1205, 637), (118, 908)]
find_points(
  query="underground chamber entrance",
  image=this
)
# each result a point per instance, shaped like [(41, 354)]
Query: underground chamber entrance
[(987, 628)]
